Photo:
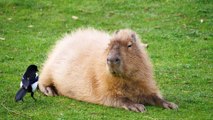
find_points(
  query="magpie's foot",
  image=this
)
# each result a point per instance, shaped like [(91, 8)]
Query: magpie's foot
[(34, 99)]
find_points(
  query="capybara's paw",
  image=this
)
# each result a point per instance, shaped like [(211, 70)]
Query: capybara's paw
[(170, 105), (135, 107)]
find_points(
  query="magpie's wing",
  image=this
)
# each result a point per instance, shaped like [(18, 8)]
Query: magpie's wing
[(29, 78), (20, 94), (34, 79), (25, 82)]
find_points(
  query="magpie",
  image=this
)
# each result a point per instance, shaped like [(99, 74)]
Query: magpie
[(28, 83)]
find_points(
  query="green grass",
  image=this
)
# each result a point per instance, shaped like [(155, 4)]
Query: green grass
[(181, 49)]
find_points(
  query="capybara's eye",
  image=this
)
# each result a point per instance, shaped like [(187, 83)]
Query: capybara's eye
[(129, 46)]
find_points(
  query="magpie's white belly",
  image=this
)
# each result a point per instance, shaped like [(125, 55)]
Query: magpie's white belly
[(34, 86), (21, 84)]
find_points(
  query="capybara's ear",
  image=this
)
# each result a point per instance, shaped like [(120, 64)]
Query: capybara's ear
[(116, 32), (133, 37)]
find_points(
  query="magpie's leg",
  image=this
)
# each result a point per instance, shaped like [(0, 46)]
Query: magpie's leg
[(22, 99), (32, 93)]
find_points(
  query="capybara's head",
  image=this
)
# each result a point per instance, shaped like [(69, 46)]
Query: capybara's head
[(124, 53)]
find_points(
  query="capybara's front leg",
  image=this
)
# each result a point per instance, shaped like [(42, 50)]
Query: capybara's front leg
[(157, 101), (129, 105), (126, 104)]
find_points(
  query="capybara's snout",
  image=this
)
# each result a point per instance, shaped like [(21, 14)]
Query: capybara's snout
[(113, 60)]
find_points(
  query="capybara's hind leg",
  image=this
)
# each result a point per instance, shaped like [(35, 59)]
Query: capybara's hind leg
[(46, 85), (48, 90)]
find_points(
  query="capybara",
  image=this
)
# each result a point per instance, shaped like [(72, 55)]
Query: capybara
[(96, 67)]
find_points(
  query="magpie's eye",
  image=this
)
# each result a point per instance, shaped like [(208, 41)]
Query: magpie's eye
[(129, 46)]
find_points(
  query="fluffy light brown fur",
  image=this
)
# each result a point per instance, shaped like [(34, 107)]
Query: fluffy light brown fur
[(79, 68)]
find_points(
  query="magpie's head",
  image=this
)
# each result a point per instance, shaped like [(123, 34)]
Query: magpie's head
[(32, 68)]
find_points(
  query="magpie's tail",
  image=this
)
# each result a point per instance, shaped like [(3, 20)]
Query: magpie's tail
[(20, 94)]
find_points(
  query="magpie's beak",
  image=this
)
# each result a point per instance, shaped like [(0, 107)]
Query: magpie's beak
[(26, 84)]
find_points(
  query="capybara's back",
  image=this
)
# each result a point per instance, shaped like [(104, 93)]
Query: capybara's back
[(94, 66), (67, 65)]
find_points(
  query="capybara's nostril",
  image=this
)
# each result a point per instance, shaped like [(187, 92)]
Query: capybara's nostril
[(117, 61), (113, 60)]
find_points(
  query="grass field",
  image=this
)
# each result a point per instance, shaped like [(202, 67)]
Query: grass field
[(179, 34)]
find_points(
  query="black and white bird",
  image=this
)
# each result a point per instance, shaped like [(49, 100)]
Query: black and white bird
[(28, 83)]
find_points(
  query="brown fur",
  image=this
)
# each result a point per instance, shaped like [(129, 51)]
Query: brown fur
[(79, 67)]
